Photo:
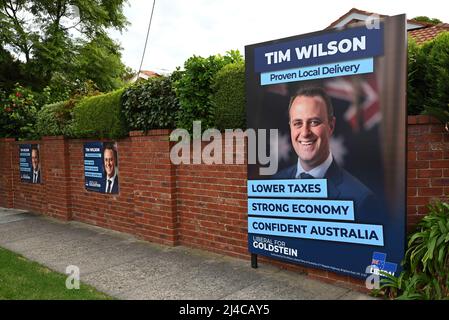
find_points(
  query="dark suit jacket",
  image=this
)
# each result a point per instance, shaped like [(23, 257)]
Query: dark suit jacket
[(341, 185), (38, 176), (114, 187)]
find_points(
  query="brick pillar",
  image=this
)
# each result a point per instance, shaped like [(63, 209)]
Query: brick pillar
[(56, 177), (154, 187), (6, 173)]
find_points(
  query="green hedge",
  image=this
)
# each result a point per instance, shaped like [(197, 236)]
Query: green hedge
[(53, 119), (151, 104), (99, 117), (228, 101), (416, 84), (428, 74), (194, 88), (437, 75)]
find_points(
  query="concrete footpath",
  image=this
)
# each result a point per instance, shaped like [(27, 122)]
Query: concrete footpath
[(127, 268)]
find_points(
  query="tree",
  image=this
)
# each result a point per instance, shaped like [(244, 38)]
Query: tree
[(10, 71), (63, 41), (99, 60)]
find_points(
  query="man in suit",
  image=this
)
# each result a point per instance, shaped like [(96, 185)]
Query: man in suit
[(312, 122), (35, 163), (110, 163)]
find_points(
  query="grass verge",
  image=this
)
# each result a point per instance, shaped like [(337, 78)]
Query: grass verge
[(21, 279)]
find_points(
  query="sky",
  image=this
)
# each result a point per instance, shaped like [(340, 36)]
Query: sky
[(183, 28)]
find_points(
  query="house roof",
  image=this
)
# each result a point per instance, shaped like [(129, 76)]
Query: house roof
[(426, 34), (418, 30), (143, 74), (356, 15), (149, 73)]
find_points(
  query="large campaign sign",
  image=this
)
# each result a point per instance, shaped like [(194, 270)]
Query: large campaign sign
[(337, 100), (101, 167), (29, 163)]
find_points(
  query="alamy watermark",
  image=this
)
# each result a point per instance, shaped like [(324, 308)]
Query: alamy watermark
[(373, 280), (73, 280), (373, 22), (220, 149), (74, 11)]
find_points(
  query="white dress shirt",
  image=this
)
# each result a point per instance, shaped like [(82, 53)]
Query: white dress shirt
[(317, 172), (35, 176)]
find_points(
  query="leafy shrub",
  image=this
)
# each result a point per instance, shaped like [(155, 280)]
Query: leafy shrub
[(194, 88), (416, 84), (440, 114), (228, 100), (151, 104), (437, 75), (18, 112), (99, 116), (428, 75), (53, 119), (426, 261)]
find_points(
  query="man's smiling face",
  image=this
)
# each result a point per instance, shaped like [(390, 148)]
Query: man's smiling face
[(310, 129), (109, 162)]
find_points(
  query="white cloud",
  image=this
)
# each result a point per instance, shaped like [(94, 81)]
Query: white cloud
[(183, 28)]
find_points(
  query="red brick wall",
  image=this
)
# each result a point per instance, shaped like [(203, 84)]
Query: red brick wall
[(428, 166), (56, 177), (202, 206), (212, 203), (212, 207), (6, 173), (154, 187)]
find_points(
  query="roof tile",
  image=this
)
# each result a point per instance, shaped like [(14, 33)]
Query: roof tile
[(426, 34)]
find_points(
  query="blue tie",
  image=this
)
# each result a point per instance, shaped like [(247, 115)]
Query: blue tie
[(304, 175)]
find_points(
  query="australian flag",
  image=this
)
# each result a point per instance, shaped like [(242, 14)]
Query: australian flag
[(356, 142), (379, 260)]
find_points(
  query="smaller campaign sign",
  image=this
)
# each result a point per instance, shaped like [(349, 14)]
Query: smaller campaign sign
[(100, 167), (29, 163)]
